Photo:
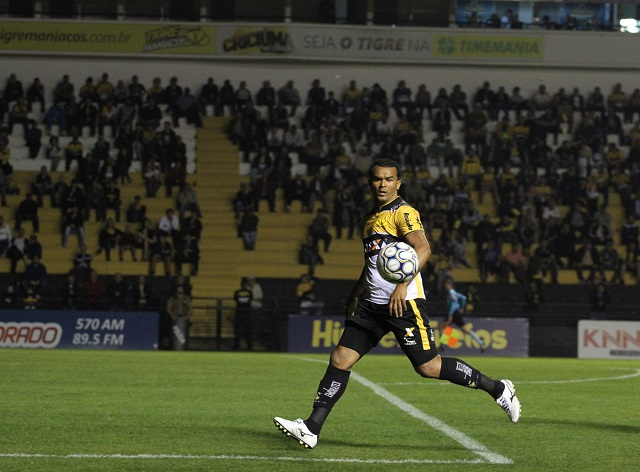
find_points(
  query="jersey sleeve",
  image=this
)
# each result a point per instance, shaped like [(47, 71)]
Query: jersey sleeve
[(408, 220)]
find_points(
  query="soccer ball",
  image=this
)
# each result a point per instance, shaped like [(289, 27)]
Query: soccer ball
[(398, 263)]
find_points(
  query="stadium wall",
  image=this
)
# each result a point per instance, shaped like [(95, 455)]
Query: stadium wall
[(334, 54)]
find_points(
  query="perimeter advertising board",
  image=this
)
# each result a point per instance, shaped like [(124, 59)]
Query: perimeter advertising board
[(507, 337), (51, 329), (608, 339)]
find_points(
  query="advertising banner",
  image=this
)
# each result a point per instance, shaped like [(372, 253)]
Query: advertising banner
[(79, 329), (507, 337), (608, 339), (107, 38)]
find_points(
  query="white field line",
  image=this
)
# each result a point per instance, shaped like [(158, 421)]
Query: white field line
[(458, 436), (235, 458), (544, 382)]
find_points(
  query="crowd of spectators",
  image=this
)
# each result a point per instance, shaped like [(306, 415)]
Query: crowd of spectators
[(548, 161), (533, 154), (96, 133)]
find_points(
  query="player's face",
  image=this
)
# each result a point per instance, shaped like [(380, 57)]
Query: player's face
[(385, 184)]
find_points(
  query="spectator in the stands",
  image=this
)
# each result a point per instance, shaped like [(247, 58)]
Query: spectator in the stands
[(33, 139), (209, 96), (117, 293), (596, 103), (169, 226), (612, 124), (146, 238), (5, 236), (13, 90), (93, 291), (161, 251), (64, 90), (587, 259), (71, 293), (19, 114), (73, 223), (187, 252), (108, 238), (289, 96), (171, 94), (137, 92), (127, 243), (142, 294), (151, 114), (42, 185), (35, 277), (55, 116), (35, 94), (186, 105), (152, 177), (27, 211), (82, 263), (16, 250), (485, 99)]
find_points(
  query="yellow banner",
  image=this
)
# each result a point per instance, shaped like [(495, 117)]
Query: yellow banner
[(112, 38), (514, 47)]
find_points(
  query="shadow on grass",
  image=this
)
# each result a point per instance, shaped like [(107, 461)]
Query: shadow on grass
[(615, 428)]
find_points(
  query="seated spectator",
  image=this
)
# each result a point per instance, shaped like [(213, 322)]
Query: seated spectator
[(289, 96), (93, 291), (176, 177), (248, 229), (319, 229), (188, 252), (19, 113), (152, 177), (117, 293), (54, 152), (127, 243), (35, 93), (74, 151), (5, 236), (33, 139), (161, 251), (146, 238), (243, 199), (600, 233), (136, 212), (169, 226), (27, 211), (188, 200), (191, 225), (310, 255), (15, 252), (70, 293), (186, 105), (73, 223), (587, 258), (34, 279), (112, 199), (55, 116), (42, 186), (108, 238), (82, 263), (309, 303), (630, 264)]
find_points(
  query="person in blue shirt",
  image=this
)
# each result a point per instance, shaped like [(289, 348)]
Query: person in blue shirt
[(456, 303)]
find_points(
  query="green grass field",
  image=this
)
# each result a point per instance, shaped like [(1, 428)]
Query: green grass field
[(207, 411)]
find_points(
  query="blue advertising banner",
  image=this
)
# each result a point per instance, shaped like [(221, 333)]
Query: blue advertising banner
[(79, 329), (505, 337)]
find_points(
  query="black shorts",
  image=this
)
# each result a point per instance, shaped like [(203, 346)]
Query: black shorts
[(371, 322)]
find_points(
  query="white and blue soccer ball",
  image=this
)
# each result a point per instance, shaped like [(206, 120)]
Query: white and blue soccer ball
[(398, 262)]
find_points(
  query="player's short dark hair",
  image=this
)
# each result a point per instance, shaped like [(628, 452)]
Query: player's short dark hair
[(385, 162)]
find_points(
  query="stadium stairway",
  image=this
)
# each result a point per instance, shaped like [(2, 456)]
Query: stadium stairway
[(224, 261)]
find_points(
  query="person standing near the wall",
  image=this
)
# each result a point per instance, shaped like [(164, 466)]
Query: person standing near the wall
[(242, 322)]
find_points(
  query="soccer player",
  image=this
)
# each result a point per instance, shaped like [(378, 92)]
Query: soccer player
[(376, 307), (457, 303)]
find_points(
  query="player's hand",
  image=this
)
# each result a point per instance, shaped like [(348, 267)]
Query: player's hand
[(398, 301)]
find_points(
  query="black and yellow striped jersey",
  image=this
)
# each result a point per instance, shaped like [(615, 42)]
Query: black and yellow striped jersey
[(384, 225)]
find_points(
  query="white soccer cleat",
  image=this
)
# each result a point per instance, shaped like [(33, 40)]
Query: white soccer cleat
[(509, 402), (297, 430)]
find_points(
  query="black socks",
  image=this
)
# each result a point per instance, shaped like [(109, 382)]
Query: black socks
[(331, 388), (460, 373)]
